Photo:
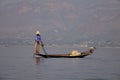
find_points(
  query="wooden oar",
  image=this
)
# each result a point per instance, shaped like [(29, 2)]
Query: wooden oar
[(42, 45)]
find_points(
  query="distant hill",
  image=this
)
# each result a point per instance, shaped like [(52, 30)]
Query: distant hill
[(60, 21)]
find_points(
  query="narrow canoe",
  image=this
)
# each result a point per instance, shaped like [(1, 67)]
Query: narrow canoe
[(82, 55)]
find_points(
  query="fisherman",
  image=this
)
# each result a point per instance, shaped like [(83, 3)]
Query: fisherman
[(38, 42)]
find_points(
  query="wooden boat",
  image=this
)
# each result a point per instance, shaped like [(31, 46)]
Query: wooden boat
[(81, 55)]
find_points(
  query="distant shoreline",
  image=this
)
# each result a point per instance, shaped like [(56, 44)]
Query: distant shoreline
[(66, 45)]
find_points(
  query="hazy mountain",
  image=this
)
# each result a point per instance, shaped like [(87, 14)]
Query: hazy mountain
[(60, 21)]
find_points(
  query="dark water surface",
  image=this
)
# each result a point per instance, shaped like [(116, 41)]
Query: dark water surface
[(17, 63)]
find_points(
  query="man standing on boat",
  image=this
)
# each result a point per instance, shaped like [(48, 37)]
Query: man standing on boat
[(38, 42)]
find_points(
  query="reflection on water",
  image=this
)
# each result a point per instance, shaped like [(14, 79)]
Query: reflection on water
[(17, 63), (37, 60), (96, 79)]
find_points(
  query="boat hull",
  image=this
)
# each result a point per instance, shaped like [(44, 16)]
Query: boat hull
[(81, 55), (60, 56)]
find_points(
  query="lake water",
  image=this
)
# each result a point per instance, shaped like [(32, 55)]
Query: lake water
[(17, 63)]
